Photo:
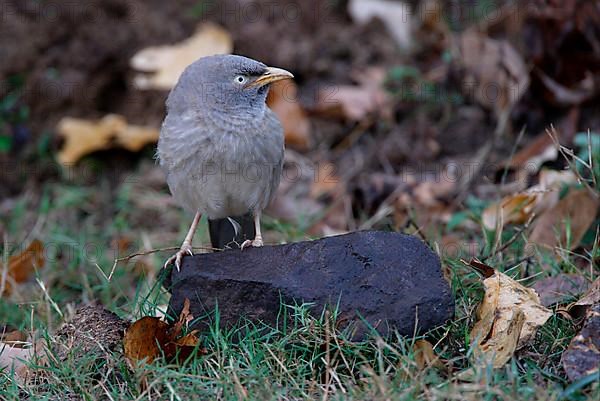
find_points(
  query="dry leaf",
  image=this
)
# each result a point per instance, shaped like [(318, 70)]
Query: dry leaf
[(355, 102), (283, 100), (328, 189), (326, 182), (577, 210), (184, 318), (430, 193), (15, 358), (591, 297), (508, 318), (518, 208), (149, 337), (425, 356), (164, 64), (582, 357), (143, 338), (396, 15), (536, 153), (543, 148), (22, 266), (513, 209), (563, 96), (495, 73), (83, 136), (14, 338), (557, 289)]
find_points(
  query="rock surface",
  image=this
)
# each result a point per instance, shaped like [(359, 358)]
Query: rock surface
[(390, 280)]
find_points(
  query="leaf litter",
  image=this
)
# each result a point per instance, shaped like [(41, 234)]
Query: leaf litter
[(22, 266), (507, 319), (149, 337)]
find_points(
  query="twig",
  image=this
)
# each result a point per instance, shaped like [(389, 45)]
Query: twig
[(569, 156), (591, 158), (512, 155), (151, 251)]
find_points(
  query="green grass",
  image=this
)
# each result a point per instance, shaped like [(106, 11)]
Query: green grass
[(81, 226)]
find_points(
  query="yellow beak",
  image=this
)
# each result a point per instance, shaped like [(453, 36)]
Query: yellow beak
[(271, 75)]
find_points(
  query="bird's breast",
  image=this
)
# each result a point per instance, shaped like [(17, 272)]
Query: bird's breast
[(221, 171)]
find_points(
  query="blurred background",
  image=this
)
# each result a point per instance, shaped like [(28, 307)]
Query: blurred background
[(414, 116)]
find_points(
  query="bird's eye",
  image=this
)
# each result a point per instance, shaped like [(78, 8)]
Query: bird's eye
[(240, 79)]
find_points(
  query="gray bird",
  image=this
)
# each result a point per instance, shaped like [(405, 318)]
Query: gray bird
[(220, 145)]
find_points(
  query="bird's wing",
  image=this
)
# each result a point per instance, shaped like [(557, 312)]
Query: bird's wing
[(273, 125)]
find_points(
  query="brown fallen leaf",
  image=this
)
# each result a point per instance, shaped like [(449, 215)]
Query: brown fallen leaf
[(536, 153), (149, 337), (559, 288), (326, 181), (508, 318), (590, 298), (283, 100), (15, 358), (22, 266), (13, 337), (563, 96), (425, 356), (355, 102), (544, 147), (495, 74), (430, 193), (143, 338), (582, 357), (164, 64), (577, 211), (520, 207), (83, 136)]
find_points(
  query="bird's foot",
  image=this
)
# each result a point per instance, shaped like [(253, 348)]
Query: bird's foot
[(256, 243), (186, 249)]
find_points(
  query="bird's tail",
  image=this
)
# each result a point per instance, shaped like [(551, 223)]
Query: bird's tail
[(231, 232)]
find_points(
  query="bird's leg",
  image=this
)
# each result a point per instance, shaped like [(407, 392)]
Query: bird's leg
[(258, 241), (186, 246)]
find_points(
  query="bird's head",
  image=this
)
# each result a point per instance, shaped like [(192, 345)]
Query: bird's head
[(225, 84)]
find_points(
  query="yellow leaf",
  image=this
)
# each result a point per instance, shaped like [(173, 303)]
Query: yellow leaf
[(83, 136), (508, 319), (164, 64), (513, 209), (519, 208)]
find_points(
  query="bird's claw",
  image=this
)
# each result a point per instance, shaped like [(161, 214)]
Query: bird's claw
[(186, 249), (256, 243)]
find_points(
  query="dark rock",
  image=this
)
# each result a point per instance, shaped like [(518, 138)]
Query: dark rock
[(390, 280)]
